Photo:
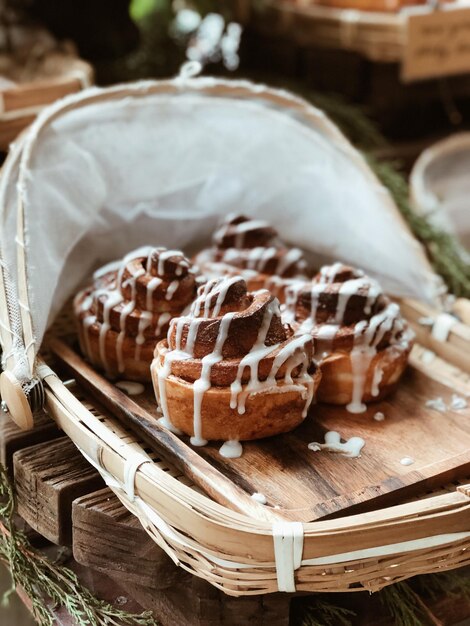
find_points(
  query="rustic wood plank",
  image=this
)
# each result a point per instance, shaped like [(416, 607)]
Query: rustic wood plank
[(110, 539), (13, 438), (107, 538), (48, 477)]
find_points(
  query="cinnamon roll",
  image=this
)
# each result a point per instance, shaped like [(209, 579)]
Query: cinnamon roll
[(128, 309), (231, 369), (361, 340), (252, 249)]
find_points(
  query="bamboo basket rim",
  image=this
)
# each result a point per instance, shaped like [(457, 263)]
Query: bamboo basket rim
[(423, 199), (241, 553)]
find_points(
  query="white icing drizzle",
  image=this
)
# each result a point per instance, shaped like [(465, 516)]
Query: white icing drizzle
[(130, 387), (407, 460), (367, 334), (172, 287), (379, 416), (292, 355), (203, 384), (376, 380), (164, 255), (163, 421), (144, 322), (162, 374), (292, 256), (351, 448), (328, 273), (231, 449), (458, 403), (437, 404), (113, 297), (259, 497), (153, 283)]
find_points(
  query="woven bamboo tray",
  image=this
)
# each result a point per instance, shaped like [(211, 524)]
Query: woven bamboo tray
[(238, 544), (56, 74), (378, 36), (439, 185), (231, 545)]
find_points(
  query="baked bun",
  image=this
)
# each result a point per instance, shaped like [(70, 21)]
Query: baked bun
[(251, 248), (231, 369), (361, 340), (128, 309)]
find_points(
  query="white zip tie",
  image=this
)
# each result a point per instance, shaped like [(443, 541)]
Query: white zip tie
[(43, 371), (442, 326), (288, 548), (132, 464)]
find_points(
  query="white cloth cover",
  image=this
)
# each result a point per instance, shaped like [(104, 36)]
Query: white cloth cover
[(161, 168)]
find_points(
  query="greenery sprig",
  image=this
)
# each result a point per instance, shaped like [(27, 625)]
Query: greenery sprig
[(49, 585)]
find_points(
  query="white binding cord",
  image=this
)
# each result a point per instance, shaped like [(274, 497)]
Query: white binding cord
[(166, 535), (132, 464), (442, 326), (288, 548)]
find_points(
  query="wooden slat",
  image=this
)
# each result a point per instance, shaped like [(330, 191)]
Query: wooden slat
[(13, 438), (48, 477), (107, 538), (110, 539)]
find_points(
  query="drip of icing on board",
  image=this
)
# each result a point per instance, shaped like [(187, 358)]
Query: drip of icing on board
[(437, 404), (350, 448), (458, 403), (231, 449), (130, 387)]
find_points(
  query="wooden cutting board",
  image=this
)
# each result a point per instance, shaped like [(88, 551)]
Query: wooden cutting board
[(303, 485)]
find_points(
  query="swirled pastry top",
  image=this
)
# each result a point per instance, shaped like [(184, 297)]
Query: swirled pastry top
[(343, 308), (241, 334), (151, 284), (253, 245)]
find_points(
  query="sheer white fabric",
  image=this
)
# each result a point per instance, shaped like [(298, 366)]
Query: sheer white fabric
[(161, 169)]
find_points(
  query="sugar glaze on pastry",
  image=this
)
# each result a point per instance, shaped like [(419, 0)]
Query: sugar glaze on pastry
[(127, 309), (361, 339), (252, 248), (231, 370)]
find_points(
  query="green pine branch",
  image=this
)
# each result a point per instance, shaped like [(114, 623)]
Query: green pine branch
[(49, 585), (321, 612)]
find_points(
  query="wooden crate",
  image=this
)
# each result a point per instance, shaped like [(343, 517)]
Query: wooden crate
[(302, 44)]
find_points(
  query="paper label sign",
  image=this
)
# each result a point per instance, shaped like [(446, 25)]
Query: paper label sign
[(437, 44)]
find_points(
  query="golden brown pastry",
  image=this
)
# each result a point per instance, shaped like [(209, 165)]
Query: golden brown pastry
[(252, 249), (129, 307), (231, 369), (361, 340)]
